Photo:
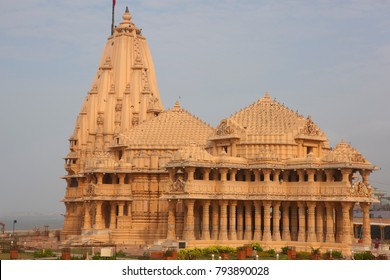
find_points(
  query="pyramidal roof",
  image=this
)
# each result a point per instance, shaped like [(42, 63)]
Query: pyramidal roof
[(173, 127), (124, 90), (267, 117)]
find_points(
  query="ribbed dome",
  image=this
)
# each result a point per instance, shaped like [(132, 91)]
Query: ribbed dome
[(267, 117), (174, 127)]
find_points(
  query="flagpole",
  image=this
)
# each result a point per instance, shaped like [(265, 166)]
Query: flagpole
[(112, 23)]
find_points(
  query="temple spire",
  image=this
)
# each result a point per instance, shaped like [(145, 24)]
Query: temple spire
[(113, 12)]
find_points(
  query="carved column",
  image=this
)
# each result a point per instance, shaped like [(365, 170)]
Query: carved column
[(223, 220), (338, 222), (267, 173), (329, 222), (310, 175), (248, 175), (267, 221), (366, 223), (276, 220), (329, 175), (223, 172), (257, 234), (190, 173), (346, 237), (87, 216), (206, 219), (233, 173), (302, 221), (276, 175), (346, 173), (171, 232), (215, 218), (248, 220), (240, 220), (232, 222), (294, 222), (257, 175), (189, 227), (320, 222), (121, 178), (285, 221), (206, 174), (311, 234), (113, 215), (301, 175), (98, 217)]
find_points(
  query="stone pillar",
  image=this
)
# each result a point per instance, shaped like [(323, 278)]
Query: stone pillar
[(113, 215), (382, 229), (87, 216), (240, 220), (233, 173), (267, 221), (232, 220), (223, 172), (267, 173), (206, 174), (285, 175), (339, 223), (366, 223), (248, 220), (276, 221), (223, 220), (257, 234), (346, 237), (320, 222), (329, 222), (215, 218), (257, 175), (121, 177), (190, 173), (171, 232), (98, 215), (301, 175), (346, 173), (206, 220), (329, 175), (189, 227), (121, 206), (99, 178), (311, 233), (302, 221), (294, 222), (285, 221), (310, 175), (248, 175), (276, 175)]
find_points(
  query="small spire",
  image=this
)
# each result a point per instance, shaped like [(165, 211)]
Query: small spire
[(127, 9), (266, 94)]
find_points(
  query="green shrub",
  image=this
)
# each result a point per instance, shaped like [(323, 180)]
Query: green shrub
[(271, 252), (256, 246), (364, 256), (284, 250), (304, 255), (44, 253), (120, 254)]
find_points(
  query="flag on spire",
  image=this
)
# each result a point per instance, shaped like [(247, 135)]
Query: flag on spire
[(113, 2)]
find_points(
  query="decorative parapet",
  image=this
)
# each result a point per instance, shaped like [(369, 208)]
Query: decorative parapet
[(361, 189)]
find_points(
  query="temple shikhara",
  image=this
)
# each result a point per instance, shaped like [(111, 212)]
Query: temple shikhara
[(138, 173)]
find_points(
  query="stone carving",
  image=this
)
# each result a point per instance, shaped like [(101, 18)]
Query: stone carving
[(91, 190), (361, 189), (224, 129), (178, 185), (310, 128)]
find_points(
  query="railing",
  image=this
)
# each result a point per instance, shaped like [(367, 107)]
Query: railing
[(269, 188)]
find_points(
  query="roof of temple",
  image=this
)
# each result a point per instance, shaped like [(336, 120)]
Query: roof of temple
[(344, 152), (173, 127), (268, 117)]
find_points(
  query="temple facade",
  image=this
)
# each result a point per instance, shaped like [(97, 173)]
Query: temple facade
[(138, 173)]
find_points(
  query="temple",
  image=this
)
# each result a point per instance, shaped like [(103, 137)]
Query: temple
[(138, 173)]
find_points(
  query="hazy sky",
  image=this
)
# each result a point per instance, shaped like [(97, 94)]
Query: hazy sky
[(327, 59)]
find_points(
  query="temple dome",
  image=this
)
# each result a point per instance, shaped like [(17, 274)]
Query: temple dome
[(174, 127)]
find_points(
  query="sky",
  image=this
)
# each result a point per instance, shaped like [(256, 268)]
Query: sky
[(326, 59)]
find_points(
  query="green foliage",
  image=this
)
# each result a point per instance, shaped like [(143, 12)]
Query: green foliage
[(271, 252), (304, 255), (256, 246), (44, 253), (364, 256), (121, 254), (284, 250), (190, 254), (337, 254), (315, 251)]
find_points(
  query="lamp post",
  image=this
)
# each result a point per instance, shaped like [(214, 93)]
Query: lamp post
[(13, 227)]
